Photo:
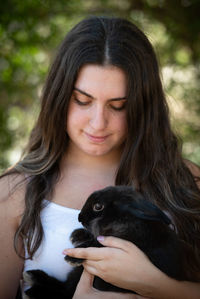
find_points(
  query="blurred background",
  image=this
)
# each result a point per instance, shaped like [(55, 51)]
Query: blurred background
[(31, 30)]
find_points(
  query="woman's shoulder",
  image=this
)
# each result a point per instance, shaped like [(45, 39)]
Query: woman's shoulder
[(12, 192), (194, 169), (11, 209)]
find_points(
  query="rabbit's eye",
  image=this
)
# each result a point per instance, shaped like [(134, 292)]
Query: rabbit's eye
[(97, 207)]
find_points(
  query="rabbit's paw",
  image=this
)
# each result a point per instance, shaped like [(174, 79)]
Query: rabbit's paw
[(73, 261), (33, 277), (80, 236)]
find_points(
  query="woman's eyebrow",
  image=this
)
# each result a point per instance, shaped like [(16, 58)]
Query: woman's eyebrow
[(90, 96)]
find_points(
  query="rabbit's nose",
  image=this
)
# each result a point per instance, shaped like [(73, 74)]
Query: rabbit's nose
[(80, 217)]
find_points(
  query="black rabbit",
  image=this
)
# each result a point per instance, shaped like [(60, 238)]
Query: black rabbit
[(121, 212)]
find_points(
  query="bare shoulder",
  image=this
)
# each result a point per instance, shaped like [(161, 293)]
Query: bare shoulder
[(195, 170), (12, 191)]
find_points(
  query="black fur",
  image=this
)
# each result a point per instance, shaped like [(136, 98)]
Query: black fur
[(121, 212)]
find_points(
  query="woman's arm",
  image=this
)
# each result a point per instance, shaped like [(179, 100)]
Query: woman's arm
[(123, 264), (11, 265), (85, 290)]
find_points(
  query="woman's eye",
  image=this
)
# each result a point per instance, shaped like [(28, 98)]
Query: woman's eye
[(97, 207), (118, 106), (81, 103)]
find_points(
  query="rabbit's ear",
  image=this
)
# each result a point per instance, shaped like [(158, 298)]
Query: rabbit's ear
[(147, 210)]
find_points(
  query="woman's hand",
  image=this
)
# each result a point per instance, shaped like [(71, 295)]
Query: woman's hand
[(123, 264), (85, 290), (120, 263)]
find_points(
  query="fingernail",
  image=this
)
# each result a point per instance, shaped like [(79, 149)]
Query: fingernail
[(100, 238), (65, 252)]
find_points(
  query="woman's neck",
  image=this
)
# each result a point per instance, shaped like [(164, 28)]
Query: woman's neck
[(78, 159)]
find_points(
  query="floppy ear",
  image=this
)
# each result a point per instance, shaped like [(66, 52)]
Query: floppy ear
[(146, 210)]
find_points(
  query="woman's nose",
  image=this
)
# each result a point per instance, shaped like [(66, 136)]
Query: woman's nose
[(98, 118)]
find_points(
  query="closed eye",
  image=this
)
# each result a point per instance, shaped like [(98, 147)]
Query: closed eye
[(118, 106), (81, 103)]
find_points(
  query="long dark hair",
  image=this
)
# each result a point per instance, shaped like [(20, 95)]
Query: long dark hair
[(151, 156)]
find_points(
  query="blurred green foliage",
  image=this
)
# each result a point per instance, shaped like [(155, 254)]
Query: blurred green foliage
[(31, 30)]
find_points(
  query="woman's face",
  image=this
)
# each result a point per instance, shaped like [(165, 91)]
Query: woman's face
[(96, 121)]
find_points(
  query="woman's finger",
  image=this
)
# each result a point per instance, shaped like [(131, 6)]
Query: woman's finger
[(92, 253), (116, 243), (95, 253), (121, 244)]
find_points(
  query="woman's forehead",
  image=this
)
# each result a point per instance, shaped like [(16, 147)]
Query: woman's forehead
[(106, 81)]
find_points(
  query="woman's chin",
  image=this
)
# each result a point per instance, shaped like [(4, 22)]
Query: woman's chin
[(97, 152)]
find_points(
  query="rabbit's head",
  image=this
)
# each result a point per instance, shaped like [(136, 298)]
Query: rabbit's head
[(112, 210)]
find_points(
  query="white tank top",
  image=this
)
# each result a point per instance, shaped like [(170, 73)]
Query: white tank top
[(58, 222)]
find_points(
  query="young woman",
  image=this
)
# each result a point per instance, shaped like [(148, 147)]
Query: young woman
[(103, 121)]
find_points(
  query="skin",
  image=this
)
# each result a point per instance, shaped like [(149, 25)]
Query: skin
[(92, 162), (100, 110), (11, 207), (85, 290)]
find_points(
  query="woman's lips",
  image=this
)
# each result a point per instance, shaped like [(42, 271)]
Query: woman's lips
[(96, 139)]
